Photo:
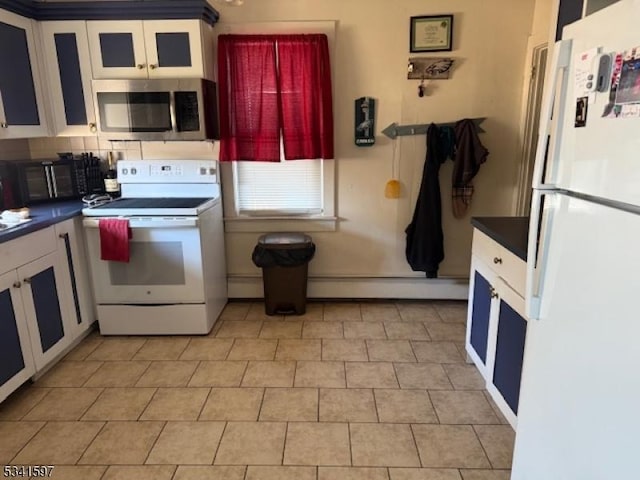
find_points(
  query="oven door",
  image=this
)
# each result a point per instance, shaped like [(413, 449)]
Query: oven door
[(165, 264)]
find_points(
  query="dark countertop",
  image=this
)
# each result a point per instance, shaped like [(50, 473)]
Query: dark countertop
[(510, 232), (43, 216)]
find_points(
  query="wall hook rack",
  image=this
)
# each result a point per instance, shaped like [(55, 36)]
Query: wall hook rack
[(394, 130)]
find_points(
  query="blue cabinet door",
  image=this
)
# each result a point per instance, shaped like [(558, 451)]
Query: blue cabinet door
[(116, 49), (47, 308), (11, 356), (507, 371), (174, 49), (73, 94), (481, 309), (16, 77)]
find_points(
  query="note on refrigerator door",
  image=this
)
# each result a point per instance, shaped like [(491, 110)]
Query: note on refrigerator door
[(585, 73)]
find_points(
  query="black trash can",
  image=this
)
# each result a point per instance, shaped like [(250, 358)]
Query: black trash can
[(284, 259)]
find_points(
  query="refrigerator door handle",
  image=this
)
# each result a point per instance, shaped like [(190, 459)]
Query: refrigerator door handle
[(539, 233), (559, 64)]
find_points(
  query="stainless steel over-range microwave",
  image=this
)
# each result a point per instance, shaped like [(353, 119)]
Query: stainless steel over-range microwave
[(160, 109)]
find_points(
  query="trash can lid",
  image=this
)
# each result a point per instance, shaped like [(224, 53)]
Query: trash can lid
[(292, 238)]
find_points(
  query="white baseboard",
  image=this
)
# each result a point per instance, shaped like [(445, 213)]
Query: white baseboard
[(409, 288)]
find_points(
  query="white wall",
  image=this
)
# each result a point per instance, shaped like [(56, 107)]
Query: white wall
[(490, 45)]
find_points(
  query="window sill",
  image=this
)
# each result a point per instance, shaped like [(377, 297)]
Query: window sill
[(280, 224)]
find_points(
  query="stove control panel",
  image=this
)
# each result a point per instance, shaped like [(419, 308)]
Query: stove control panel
[(167, 171)]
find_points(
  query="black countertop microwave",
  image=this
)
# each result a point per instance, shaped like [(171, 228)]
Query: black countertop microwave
[(156, 109), (37, 181)]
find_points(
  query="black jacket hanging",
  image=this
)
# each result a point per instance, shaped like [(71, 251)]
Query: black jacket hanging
[(425, 249)]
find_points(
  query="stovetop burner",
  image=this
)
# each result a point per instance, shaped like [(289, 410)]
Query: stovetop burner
[(168, 203)]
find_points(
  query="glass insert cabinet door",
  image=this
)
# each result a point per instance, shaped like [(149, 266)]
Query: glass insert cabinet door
[(21, 98)]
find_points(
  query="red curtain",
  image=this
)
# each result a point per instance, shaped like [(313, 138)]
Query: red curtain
[(305, 94), (262, 94), (248, 97)]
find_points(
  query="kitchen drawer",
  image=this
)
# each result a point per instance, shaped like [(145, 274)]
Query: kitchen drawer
[(505, 264), (23, 250)]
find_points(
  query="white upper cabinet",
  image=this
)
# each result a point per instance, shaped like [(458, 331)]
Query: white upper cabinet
[(68, 67), (149, 49), (22, 112)]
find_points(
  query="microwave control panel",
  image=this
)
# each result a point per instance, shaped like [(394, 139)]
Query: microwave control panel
[(167, 171)]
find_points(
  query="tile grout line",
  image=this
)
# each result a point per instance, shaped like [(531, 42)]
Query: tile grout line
[(264, 394), (233, 344), (166, 422), (415, 445), (244, 373), (284, 444), (44, 424), (135, 384), (104, 424), (92, 374), (204, 404), (215, 454), (375, 403), (86, 410), (484, 450), (435, 410), (148, 403), (185, 349), (350, 445), (35, 405)]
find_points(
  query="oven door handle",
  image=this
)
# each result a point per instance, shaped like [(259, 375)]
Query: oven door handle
[(149, 222)]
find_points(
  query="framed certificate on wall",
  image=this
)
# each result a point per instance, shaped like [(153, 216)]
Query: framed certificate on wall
[(432, 33)]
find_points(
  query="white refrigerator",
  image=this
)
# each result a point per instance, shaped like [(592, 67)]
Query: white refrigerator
[(579, 410)]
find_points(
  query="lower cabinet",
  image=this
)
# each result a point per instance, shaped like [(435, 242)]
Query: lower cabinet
[(496, 325), (45, 303)]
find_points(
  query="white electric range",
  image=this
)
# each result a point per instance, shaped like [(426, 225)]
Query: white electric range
[(175, 282)]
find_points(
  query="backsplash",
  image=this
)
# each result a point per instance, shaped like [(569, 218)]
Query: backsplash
[(123, 150), (14, 149)]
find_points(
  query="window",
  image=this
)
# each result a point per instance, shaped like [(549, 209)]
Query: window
[(296, 180), (284, 188)]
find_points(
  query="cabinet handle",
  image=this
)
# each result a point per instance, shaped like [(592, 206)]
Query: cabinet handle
[(493, 293), (27, 280), (140, 66), (4, 125), (93, 128), (17, 284), (497, 260), (72, 271), (153, 66)]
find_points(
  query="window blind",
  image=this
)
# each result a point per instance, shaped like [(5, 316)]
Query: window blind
[(284, 188)]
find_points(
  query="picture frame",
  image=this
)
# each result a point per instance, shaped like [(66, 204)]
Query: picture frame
[(431, 33)]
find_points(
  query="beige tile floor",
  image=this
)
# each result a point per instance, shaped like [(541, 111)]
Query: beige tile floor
[(349, 391)]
